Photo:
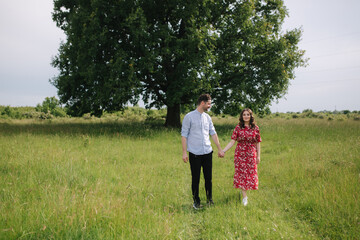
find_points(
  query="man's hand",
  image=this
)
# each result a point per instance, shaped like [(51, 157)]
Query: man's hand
[(185, 157), (221, 154)]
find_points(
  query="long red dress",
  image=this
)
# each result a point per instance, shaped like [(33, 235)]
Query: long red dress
[(245, 176)]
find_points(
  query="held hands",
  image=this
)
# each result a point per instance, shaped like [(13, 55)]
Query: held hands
[(221, 154)]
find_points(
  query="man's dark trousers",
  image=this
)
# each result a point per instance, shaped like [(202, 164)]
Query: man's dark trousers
[(196, 162)]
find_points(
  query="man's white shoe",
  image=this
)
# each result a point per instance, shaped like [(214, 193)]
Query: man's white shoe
[(245, 201)]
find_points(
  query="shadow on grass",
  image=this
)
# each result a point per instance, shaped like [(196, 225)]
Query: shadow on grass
[(136, 129), (111, 128)]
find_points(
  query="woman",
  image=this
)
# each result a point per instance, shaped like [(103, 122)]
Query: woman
[(247, 153)]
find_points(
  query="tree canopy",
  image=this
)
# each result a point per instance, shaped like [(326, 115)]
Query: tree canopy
[(169, 52)]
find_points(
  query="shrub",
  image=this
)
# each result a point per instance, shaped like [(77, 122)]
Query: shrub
[(51, 105), (8, 111), (313, 115), (31, 115), (59, 112), (17, 115), (150, 112), (45, 116), (307, 110), (87, 116), (308, 113)]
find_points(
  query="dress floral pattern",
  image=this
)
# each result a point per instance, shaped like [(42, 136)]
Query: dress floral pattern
[(245, 176)]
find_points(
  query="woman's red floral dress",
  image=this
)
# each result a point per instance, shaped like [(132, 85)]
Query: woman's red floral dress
[(245, 176)]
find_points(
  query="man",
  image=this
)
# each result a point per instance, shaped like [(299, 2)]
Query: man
[(196, 128)]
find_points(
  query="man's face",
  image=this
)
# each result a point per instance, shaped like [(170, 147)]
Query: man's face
[(206, 105)]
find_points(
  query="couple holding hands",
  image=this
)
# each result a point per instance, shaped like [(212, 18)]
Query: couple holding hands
[(197, 127)]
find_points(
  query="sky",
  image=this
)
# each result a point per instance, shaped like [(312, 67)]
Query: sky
[(29, 39)]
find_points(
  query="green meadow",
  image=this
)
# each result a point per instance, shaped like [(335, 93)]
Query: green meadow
[(76, 178)]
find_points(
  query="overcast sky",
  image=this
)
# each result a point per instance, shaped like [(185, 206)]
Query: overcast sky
[(331, 37)]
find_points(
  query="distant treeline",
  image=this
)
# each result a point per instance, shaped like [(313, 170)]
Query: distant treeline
[(47, 110), (329, 115)]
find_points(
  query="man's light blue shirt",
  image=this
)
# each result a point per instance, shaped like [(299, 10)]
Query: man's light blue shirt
[(197, 128)]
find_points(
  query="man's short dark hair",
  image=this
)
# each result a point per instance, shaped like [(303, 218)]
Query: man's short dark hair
[(203, 97)]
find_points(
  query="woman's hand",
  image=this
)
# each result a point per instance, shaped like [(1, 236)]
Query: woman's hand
[(257, 159)]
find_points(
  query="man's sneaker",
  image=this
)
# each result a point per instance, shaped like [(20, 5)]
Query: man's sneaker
[(210, 202), (245, 201), (197, 206)]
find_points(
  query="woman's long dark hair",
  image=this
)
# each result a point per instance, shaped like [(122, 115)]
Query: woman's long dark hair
[(252, 120)]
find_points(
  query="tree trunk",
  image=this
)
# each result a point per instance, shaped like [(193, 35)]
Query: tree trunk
[(173, 116)]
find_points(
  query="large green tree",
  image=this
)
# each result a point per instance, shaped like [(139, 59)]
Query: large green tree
[(170, 51)]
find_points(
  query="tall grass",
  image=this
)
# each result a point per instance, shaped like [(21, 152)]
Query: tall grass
[(111, 179)]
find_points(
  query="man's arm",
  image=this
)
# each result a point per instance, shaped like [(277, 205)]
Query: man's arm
[(217, 143), (214, 136), (185, 155), (185, 129)]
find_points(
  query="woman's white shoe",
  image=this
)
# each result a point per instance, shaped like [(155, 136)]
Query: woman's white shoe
[(245, 201)]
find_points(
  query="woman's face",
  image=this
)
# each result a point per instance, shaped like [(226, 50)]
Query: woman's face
[(246, 116)]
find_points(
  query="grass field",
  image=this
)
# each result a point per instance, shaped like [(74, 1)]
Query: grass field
[(114, 179)]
